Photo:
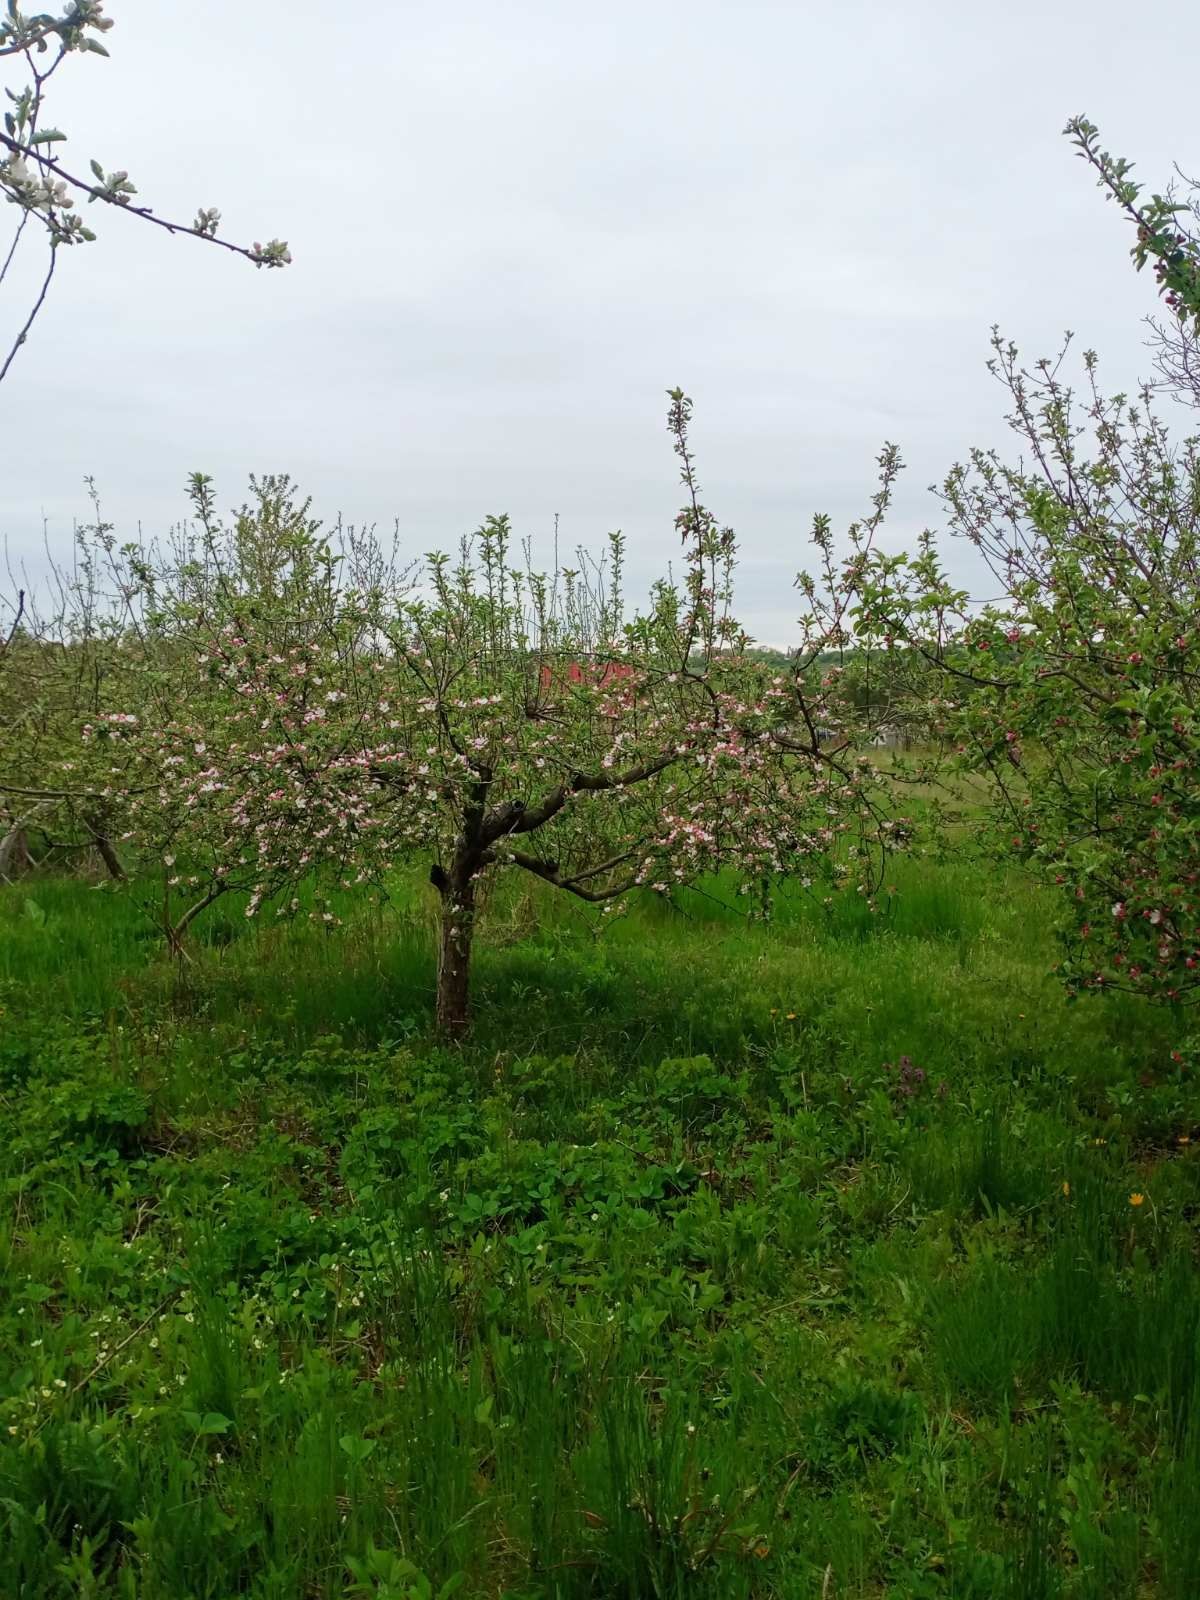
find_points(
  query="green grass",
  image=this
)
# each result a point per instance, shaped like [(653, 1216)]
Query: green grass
[(727, 1259)]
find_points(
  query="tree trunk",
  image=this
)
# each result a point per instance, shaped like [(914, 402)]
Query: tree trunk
[(15, 855), (15, 858), (109, 856), (457, 890), (97, 827)]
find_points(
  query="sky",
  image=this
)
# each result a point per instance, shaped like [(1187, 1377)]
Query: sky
[(515, 226)]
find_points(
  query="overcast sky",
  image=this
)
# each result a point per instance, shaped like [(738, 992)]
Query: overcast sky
[(515, 226)]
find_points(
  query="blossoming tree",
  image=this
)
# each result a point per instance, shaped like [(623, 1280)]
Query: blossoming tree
[(1077, 693), (238, 761), (66, 655), (1167, 228), (532, 727)]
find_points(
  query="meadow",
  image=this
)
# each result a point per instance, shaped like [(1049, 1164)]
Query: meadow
[(833, 1256)]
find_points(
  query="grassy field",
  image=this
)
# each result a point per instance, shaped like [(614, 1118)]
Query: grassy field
[(832, 1258)]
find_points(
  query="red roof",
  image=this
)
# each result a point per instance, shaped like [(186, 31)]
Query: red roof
[(600, 676)]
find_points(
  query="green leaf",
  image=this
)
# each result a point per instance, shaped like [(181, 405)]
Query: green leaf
[(212, 1422), (47, 136), (356, 1448)]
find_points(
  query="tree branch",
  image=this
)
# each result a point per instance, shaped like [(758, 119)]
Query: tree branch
[(26, 34), (12, 249), (12, 632), (256, 254), (70, 794), (29, 320), (548, 872), (515, 818)]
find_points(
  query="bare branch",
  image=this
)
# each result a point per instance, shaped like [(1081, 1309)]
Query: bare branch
[(12, 632), (32, 317)]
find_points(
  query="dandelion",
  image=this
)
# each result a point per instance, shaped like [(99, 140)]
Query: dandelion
[(1136, 1199)]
